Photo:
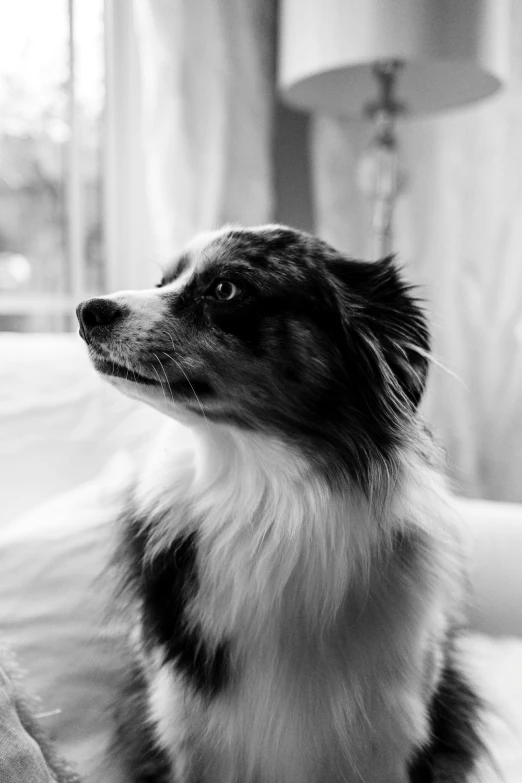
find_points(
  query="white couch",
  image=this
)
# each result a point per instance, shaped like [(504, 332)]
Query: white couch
[(66, 443)]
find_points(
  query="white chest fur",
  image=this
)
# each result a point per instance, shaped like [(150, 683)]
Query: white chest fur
[(331, 623)]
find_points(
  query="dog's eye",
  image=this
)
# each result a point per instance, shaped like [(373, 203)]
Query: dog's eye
[(225, 290)]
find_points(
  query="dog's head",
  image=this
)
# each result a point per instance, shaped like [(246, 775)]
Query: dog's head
[(270, 329)]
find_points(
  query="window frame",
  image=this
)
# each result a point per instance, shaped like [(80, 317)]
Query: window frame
[(123, 215)]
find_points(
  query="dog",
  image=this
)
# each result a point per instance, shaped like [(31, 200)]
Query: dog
[(292, 561)]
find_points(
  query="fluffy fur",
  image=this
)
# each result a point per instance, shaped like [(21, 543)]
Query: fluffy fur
[(292, 559)]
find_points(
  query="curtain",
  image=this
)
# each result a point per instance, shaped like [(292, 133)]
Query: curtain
[(459, 235), (207, 69)]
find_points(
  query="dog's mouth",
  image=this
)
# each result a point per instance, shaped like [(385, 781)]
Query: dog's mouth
[(183, 386), (108, 367)]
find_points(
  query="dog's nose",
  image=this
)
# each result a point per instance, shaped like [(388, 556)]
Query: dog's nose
[(97, 312)]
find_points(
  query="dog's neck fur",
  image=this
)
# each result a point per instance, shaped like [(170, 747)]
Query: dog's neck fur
[(315, 591), (272, 532), (268, 535)]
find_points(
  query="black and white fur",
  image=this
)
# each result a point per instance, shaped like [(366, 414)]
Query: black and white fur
[(292, 557)]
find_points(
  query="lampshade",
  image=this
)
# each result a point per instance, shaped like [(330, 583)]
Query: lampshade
[(452, 52)]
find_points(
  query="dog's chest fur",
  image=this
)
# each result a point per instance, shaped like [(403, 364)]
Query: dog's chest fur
[(318, 632)]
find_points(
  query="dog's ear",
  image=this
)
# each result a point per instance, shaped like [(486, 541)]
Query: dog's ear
[(376, 299)]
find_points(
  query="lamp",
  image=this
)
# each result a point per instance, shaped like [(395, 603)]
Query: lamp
[(385, 59)]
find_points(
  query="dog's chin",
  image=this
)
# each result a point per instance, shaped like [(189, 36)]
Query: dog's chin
[(178, 398), (112, 371)]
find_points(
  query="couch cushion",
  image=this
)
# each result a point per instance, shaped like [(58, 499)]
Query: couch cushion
[(59, 422), (492, 533)]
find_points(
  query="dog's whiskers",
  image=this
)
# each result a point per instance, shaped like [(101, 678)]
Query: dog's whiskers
[(160, 382), (169, 356), (165, 374)]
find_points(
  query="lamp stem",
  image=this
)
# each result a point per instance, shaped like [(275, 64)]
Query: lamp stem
[(385, 152), (385, 185)]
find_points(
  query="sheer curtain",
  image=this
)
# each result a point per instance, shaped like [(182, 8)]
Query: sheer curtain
[(207, 93), (207, 70)]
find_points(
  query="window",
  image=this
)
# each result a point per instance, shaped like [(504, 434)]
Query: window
[(52, 250)]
